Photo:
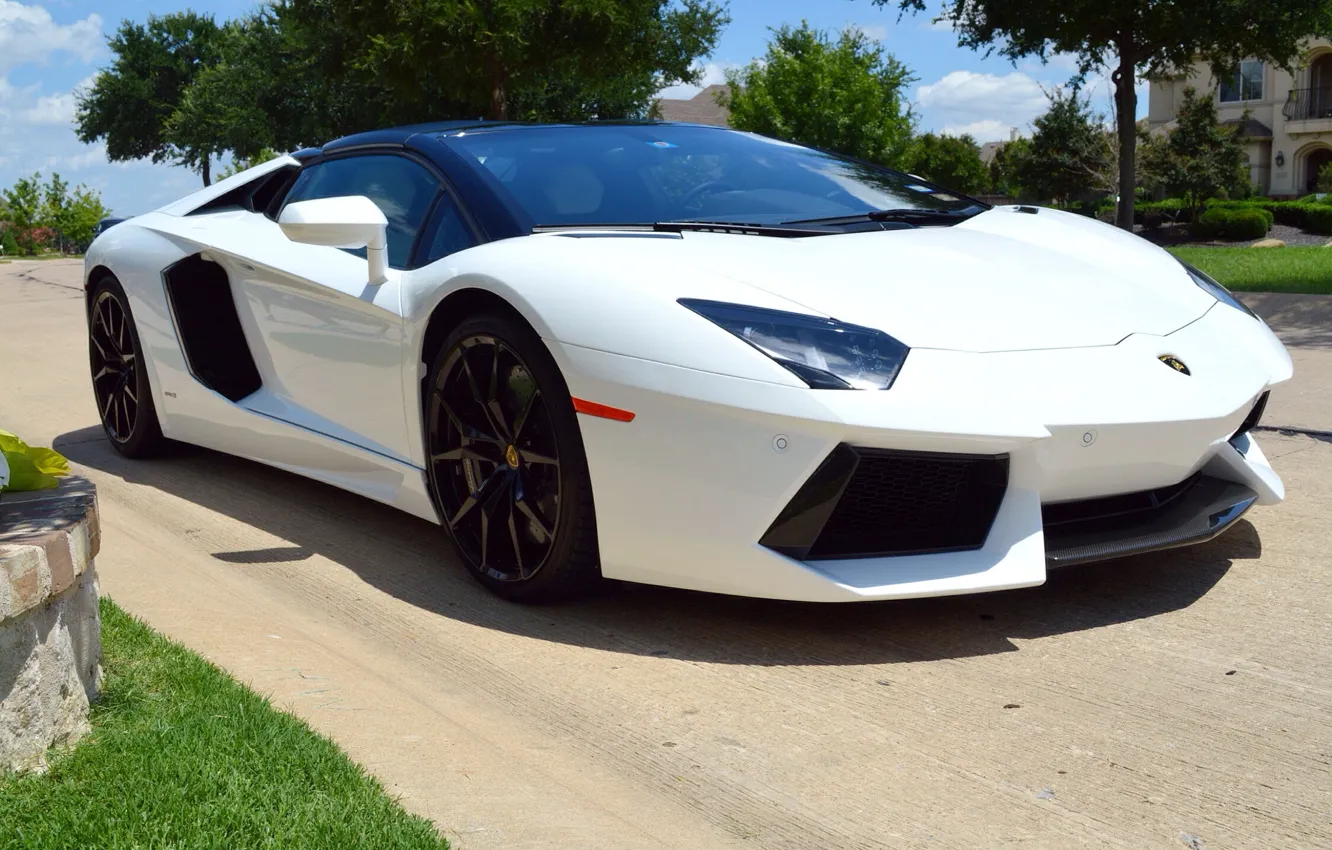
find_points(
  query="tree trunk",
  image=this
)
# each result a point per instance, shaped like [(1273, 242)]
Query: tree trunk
[(499, 98), (1126, 112), (207, 174)]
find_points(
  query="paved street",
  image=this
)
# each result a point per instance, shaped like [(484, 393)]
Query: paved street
[(1167, 701)]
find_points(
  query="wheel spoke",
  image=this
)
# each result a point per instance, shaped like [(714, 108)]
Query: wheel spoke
[(482, 493), (106, 370), (481, 400), (531, 457), (523, 415), (132, 397), (462, 453), (467, 431), (513, 537), (493, 406), (488, 508), (100, 351), (533, 513)]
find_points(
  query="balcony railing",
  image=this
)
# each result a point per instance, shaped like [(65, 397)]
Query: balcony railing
[(1309, 104)]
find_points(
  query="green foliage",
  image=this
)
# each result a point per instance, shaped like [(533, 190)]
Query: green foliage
[(1234, 225), (1291, 269), (181, 755), (1200, 158), (237, 165), (1006, 167), (951, 161), (401, 61), (1067, 151), (1313, 217), (9, 245), (84, 212), (1325, 178), (132, 103), (40, 213), (847, 95), (24, 200), (1132, 38)]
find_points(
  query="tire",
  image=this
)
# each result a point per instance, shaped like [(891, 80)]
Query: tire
[(506, 465), (121, 390)]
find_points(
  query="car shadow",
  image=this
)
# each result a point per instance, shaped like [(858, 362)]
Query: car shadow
[(413, 561)]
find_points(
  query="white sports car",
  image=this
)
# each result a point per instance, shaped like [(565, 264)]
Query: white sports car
[(688, 356)]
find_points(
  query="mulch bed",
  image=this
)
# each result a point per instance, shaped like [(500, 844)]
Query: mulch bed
[(1171, 235)]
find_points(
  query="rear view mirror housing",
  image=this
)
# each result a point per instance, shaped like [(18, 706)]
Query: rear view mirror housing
[(351, 221)]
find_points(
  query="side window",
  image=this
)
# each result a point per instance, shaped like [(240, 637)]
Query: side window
[(451, 233), (402, 189)]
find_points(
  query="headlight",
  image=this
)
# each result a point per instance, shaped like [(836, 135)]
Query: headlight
[(824, 353), (1219, 292)]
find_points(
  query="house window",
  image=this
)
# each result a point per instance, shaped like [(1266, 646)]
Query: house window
[(1246, 84)]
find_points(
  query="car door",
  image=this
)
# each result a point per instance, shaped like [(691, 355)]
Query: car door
[(330, 342)]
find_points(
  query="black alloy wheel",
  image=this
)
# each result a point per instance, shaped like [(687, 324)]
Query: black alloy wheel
[(506, 464), (119, 379)]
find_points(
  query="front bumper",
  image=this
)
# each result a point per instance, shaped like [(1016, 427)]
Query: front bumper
[(685, 493)]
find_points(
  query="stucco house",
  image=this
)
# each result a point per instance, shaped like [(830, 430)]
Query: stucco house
[(1288, 133)]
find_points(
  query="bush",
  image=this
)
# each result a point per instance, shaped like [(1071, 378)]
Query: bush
[(9, 245), (1233, 225), (1318, 218)]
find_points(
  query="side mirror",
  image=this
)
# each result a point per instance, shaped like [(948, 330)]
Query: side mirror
[(353, 221)]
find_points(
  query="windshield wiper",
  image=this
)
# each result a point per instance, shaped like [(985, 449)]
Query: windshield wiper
[(905, 216)]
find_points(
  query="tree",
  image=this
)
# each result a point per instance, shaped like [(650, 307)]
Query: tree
[(1325, 178), (55, 212), (131, 104), (1199, 157), (84, 212), (1067, 149), (951, 161), (238, 165), (848, 96), (25, 208), (375, 62), (1006, 166), (1133, 38)]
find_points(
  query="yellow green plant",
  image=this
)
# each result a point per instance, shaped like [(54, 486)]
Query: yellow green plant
[(23, 467)]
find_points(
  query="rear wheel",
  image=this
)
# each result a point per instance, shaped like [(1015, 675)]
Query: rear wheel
[(119, 378), (506, 463)]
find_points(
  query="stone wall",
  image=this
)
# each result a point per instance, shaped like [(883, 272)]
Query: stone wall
[(50, 631)]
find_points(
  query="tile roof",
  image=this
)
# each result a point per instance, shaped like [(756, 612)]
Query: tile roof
[(702, 108)]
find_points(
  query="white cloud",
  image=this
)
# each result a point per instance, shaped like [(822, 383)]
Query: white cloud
[(937, 24), (714, 73), (28, 34), (878, 32), (967, 97), (57, 109), (986, 130)]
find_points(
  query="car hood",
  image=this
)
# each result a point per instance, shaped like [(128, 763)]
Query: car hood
[(1004, 280)]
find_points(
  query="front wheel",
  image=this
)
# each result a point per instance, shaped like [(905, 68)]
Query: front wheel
[(506, 463), (119, 377)]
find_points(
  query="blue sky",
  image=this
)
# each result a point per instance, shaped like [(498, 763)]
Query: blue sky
[(48, 48)]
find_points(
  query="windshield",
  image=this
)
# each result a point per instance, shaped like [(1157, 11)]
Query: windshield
[(642, 174)]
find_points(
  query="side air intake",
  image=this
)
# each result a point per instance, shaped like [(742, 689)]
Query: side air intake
[(209, 329)]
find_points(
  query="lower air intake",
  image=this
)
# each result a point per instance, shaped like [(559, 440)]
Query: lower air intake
[(864, 503)]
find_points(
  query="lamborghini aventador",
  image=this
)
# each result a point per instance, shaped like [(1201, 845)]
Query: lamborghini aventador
[(688, 356)]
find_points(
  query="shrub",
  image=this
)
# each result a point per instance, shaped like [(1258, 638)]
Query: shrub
[(1318, 218), (9, 245), (1233, 225)]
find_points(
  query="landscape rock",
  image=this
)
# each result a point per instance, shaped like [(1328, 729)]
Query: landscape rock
[(1268, 243)]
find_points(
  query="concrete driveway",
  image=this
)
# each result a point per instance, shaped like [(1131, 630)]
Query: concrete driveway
[(1175, 700)]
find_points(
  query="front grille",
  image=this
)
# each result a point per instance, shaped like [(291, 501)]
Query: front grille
[(872, 502), (1060, 516)]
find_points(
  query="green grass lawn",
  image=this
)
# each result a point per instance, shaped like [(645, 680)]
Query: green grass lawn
[(1264, 269), (183, 756)]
